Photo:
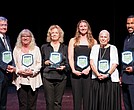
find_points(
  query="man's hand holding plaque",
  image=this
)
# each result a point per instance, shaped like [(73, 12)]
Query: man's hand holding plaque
[(127, 59)]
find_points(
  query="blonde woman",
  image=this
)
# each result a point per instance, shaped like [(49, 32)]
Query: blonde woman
[(55, 67), (27, 58)]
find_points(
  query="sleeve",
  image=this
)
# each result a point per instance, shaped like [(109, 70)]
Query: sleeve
[(38, 61), (15, 57), (114, 55)]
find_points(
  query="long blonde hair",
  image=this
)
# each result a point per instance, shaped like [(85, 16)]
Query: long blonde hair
[(32, 43), (90, 38)]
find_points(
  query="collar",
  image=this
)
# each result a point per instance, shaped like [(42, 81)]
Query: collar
[(1, 35)]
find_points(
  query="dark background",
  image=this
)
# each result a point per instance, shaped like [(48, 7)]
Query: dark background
[(38, 16)]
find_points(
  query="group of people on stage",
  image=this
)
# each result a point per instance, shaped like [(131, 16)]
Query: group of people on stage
[(92, 64)]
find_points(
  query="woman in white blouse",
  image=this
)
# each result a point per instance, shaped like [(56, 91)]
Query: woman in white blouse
[(105, 76), (27, 58)]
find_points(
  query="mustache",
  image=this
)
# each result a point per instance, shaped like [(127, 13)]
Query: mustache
[(130, 27)]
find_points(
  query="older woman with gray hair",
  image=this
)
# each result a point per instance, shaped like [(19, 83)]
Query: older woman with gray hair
[(106, 93)]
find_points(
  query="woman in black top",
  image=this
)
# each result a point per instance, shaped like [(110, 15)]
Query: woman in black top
[(78, 53), (55, 67)]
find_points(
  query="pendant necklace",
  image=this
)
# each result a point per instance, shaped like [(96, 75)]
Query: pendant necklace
[(104, 52)]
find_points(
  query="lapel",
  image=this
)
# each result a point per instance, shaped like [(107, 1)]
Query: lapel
[(8, 42), (1, 43)]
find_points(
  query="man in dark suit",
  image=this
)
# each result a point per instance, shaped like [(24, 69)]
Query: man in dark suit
[(127, 76), (6, 62)]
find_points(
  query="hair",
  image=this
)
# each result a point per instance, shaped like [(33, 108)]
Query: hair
[(106, 31), (32, 43), (2, 18), (130, 16), (90, 38), (61, 33)]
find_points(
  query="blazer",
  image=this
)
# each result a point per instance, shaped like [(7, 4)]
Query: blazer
[(4, 65), (128, 78)]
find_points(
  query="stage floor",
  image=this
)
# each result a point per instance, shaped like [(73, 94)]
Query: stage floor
[(67, 104), (12, 103)]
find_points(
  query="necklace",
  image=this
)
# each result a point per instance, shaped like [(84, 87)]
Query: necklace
[(104, 52)]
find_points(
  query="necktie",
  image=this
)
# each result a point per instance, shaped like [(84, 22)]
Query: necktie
[(5, 43)]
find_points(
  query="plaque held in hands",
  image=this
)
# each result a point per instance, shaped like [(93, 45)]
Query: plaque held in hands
[(55, 59), (27, 60), (103, 66), (7, 57), (127, 57)]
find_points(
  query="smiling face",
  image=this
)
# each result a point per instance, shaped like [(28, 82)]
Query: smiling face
[(130, 25), (83, 28), (3, 26), (55, 34), (104, 37), (26, 38)]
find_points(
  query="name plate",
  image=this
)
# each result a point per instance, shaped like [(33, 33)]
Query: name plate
[(27, 60), (6, 57), (127, 57), (82, 61), (103, 66), (55, 59)]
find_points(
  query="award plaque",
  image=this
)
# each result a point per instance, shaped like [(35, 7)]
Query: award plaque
[(27, 60), (82, 61), (103, 66), (127, 57), (7, 57), (55, 59)]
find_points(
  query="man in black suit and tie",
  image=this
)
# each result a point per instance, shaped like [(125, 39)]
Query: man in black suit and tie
[(127, 76), (6, 62)]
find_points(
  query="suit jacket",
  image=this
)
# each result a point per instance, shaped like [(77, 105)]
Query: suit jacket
[(4, 65), (128, 78)]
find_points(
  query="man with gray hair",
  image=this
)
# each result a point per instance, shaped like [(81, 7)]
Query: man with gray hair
[(6, 62)]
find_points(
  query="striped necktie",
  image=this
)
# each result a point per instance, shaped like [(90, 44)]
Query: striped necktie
[(5, 43)]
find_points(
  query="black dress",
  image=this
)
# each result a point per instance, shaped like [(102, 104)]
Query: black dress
[(81, 84), (106, 95)]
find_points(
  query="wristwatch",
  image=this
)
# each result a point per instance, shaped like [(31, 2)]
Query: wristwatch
[(108, 75)]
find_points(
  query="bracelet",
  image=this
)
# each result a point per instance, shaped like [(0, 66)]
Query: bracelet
[(108, 75)]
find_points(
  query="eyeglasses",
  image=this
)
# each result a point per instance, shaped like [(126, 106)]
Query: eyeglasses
[(104, 36), (25, 36), (3, 24)]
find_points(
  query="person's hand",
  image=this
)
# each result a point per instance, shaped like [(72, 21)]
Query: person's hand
[(28, 72), (103, 76), (10, 69), (85, 71), (78, 73), (25, 72), (60, 68), (129, 69), (48, 62), (120, 81)]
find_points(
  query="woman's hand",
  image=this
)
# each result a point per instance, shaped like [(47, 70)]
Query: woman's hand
[(78, 73), (61, 68), (48, 62), (103, 76), (86, 71)]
